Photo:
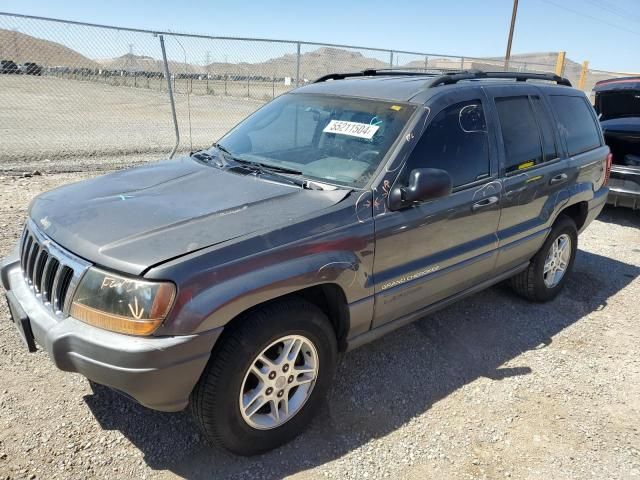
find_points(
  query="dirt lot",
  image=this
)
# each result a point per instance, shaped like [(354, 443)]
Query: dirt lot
[(492, 387)]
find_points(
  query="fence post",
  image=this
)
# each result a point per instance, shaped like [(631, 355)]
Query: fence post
[(298, 64), (171, 100), (426, 63), (560, 63), (583, 74), (461, 63), (248, 95), (391, 59)]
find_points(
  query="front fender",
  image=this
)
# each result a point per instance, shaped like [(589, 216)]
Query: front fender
[(211, 297)]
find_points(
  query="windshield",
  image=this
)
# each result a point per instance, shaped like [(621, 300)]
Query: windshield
[(618, 104), (333, 139)]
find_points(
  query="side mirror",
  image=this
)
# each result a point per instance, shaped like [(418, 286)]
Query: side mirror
[(424, 184)]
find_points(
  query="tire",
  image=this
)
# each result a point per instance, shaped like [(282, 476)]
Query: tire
[(530, 283), (216, 401)]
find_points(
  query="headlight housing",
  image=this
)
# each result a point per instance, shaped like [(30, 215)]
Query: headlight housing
[(122, 304)]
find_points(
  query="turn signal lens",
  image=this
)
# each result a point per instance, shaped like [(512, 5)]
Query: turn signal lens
[(122, 304)]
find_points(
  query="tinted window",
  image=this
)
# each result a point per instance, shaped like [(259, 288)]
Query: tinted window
[(576, 123), (455, 141), (546, 129), (520, 133)]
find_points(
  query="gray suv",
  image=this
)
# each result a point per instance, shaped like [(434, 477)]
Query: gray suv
[(229, 280)]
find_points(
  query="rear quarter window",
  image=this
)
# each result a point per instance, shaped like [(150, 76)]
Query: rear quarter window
[(576, 123)]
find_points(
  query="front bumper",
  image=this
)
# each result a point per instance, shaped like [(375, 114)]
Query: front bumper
[(158, 372)]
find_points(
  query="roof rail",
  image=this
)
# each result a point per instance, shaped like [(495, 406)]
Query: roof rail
[(372, 73), (450, 77)]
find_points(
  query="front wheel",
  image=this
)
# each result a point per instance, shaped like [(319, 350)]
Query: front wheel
[(550, 267), (266, 379)]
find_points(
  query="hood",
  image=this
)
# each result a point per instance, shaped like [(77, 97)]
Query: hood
[(133, 219)]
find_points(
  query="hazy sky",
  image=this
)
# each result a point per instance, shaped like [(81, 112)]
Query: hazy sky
[(607, 33)]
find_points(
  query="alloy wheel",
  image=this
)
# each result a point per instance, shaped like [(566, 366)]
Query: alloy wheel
[(279, 382)]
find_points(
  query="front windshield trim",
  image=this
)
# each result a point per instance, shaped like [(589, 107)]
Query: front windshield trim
[(363, 182)]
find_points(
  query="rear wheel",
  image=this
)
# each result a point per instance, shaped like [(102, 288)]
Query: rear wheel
[(552, 264), (266, 378)]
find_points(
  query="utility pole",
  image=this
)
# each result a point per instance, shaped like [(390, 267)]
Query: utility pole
[(507, 56)]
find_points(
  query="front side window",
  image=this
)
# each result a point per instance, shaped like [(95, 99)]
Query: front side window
[(455, 141), (520, 133), (339, 140), (576, 123)]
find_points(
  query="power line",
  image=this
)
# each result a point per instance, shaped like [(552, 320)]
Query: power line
[(592, 17), (615, 10)]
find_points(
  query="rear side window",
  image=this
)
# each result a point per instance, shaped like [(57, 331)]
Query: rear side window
[(520, 133), (455, 141), (576, 123)]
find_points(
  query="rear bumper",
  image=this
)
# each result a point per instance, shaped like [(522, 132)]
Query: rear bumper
[(158, 372), (624, 187)]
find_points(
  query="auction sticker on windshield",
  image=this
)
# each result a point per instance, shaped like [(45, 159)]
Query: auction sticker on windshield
[(353, 129)]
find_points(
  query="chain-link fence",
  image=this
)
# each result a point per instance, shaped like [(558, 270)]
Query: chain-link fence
[(72, 93)]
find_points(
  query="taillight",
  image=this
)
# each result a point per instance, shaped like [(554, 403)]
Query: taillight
[(607, 168)]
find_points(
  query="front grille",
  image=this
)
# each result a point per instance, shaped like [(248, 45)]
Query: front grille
[(51, 272)]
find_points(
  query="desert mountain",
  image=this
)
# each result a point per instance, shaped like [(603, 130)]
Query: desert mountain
[(21, 48), (142, 63)]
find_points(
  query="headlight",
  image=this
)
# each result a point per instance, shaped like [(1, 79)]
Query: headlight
[(122, 304)]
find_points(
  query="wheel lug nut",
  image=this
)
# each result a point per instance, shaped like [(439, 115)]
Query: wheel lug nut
[(272, 375), (280, 393), (285, 368), (290, 378), (269, 391)]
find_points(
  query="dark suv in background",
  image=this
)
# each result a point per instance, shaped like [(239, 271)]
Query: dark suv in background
[(618, 105), (230, 279)]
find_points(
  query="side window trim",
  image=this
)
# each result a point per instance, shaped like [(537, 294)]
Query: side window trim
[(537, 116)]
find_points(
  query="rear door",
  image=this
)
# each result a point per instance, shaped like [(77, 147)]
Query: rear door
[(533, 170)]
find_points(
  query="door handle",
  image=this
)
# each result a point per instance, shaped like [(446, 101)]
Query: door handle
[(486, 202), (558, 179)]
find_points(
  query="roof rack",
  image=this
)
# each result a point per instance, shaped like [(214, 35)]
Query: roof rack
[(373, 73), (450, 77)]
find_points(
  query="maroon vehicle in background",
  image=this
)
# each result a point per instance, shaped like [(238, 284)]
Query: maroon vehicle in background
[(617, 102)]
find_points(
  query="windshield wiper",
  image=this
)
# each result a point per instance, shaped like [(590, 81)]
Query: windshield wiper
[(267, 166), (262, 168), (273, 170)]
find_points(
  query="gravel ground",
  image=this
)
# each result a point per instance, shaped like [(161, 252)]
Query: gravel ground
[(492, 387)]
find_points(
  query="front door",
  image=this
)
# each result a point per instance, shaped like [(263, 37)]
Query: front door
[(433, 250)]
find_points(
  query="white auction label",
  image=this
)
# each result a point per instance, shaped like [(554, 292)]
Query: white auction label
[(354, 129)]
